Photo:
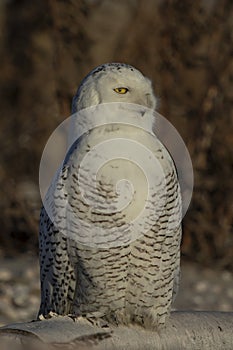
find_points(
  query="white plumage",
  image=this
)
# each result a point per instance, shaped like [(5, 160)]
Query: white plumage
[(96, 260)]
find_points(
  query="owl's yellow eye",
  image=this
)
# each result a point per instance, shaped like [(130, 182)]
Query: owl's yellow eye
[(121, 90)]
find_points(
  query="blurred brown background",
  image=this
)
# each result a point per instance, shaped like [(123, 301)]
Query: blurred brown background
[(185, 47)]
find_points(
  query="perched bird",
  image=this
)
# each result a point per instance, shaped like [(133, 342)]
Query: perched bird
[(134, 276)]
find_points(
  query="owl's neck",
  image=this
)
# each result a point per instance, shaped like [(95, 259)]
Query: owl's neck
[(109, 114)]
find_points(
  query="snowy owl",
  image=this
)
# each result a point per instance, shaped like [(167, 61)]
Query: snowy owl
[(135, 278)]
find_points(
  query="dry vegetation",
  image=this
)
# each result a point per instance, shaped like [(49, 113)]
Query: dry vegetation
[(47, 47)]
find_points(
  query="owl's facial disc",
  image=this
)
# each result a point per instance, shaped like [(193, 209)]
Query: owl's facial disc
[(114, 83)]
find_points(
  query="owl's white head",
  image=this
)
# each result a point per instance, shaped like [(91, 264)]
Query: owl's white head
[(114, 82)]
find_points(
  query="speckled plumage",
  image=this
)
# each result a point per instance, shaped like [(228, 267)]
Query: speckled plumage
[(134, 282)]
